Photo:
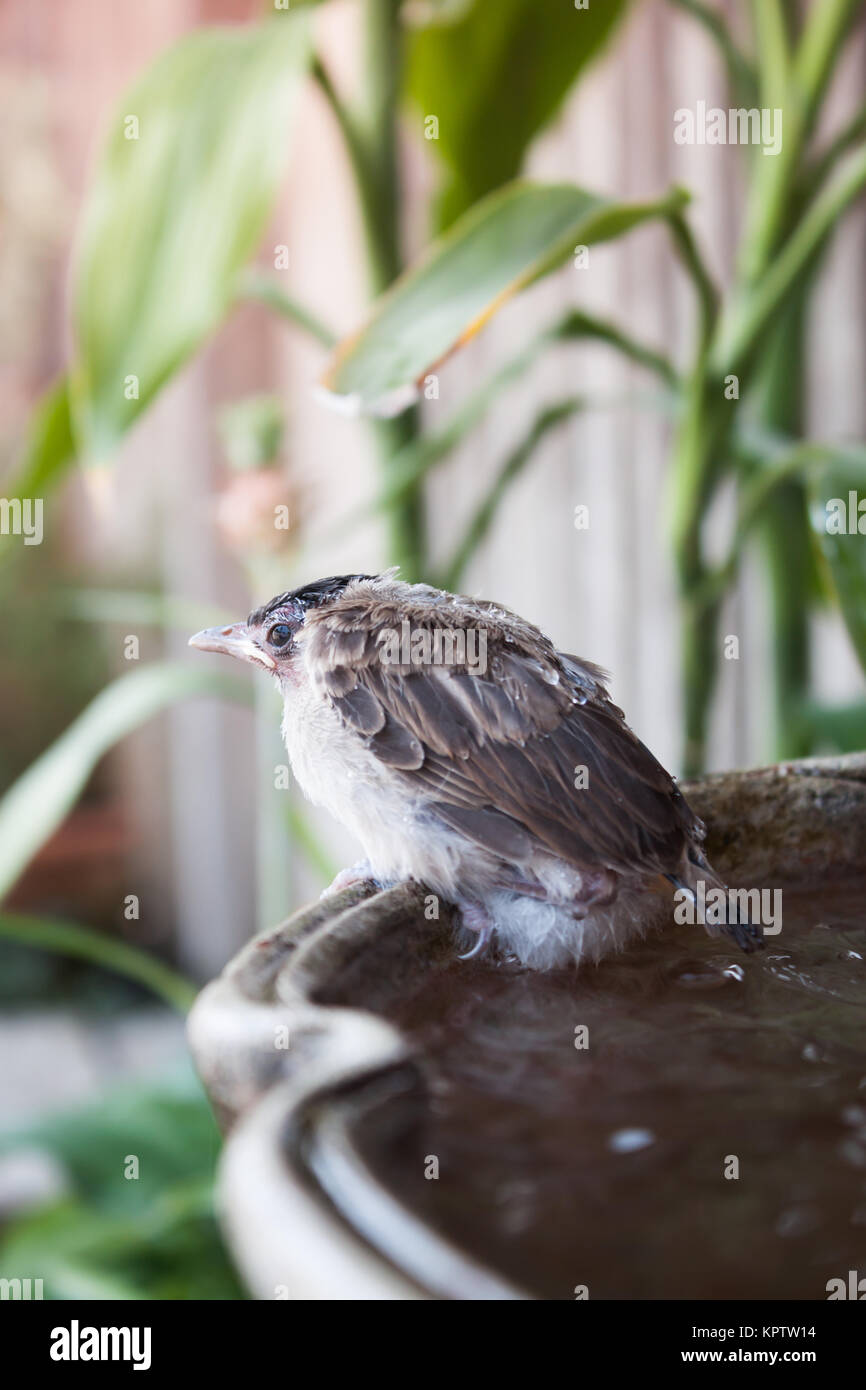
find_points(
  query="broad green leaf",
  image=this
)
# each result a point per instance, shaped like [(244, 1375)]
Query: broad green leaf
[(838, 516), (506, 243), (492, 75), (179, 203), (35, 805)]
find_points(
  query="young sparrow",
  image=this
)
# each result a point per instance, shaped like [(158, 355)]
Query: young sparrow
[(464, 751)]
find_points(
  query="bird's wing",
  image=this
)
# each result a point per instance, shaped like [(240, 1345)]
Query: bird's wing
[(530, 755)]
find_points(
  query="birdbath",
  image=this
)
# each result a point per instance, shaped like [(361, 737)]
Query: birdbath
[(680, 1121)]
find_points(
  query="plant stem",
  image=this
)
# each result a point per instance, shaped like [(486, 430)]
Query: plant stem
[(70, 939), (479, 524), (850, 134), (797, 85), (785, 534), (700, 436), (698, 443), (264, 289), (383, 67), (370, 135), (756, 307), (741, 74)]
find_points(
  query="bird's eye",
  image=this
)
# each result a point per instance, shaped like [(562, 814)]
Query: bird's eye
[(280, 634)]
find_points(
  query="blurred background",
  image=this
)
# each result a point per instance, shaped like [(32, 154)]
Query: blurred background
[(163, 827)]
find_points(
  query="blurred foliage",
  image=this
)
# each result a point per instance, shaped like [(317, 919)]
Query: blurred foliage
[(113, 1237), (50, 447), (205, 158), (48, 668), (252, 431), (45, 978), (33, 808), (842, 483), (511, 240), (493, 76)]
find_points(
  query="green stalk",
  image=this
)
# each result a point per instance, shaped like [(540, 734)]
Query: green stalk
[(383, 71), (753, 309), (70, 939), (698, 445), (699, 439), (370, 134), (265, 290), (851, 134), (825, 29), (482, 519), (378, 123), (784, 531), (741, 75), (797, 84), (383, 67)]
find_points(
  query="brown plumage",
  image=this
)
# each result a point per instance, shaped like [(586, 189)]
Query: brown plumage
[(499, 752), (509, 780)]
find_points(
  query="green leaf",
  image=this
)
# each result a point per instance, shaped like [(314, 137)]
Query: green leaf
[(174, 214), (113, 1237), (50, 447), (266, 290), (836, 492), (35, 805), (741, 75), (71, 939), (506, 243), (493, 75), (749, 313), (167, 1123)]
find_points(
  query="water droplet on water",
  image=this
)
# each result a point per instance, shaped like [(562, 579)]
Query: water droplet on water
[(696, 974), (853, 1152), (798, 1221), (628, 1141)]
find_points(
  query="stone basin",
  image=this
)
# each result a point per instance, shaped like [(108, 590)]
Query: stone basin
[(680, 1121)]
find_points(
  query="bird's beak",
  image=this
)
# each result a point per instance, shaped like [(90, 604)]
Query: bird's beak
[(232, 641)]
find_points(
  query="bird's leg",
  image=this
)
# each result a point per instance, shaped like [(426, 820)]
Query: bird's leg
[(477, 919), (362, 872)]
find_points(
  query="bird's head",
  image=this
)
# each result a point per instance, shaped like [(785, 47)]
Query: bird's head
[(268, 638)]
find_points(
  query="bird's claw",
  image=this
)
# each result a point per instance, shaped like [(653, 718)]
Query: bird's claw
[(478, 920), (362, 872)]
